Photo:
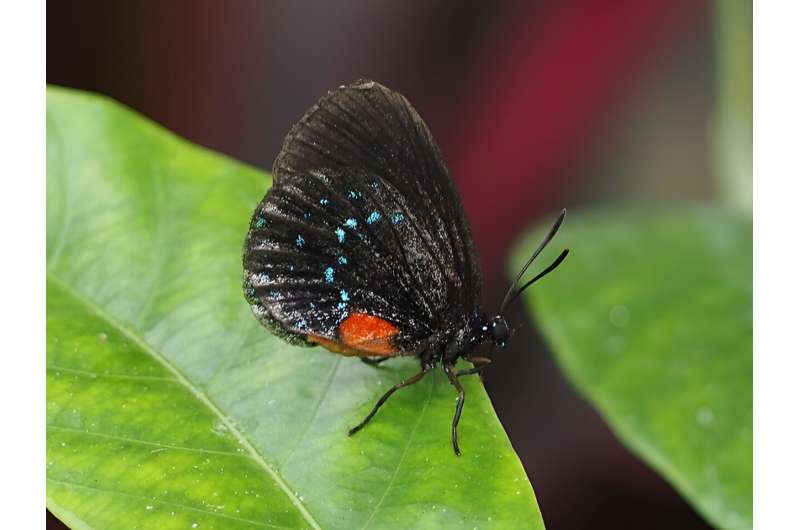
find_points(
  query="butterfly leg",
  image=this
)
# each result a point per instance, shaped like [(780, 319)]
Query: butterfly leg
[(448, 369), (373, 361), (406, 382), (479, 364)]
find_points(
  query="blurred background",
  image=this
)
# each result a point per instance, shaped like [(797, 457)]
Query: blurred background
[(537, 105)]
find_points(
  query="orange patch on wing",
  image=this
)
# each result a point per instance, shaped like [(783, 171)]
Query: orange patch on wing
[(363, 336), (368, 333)]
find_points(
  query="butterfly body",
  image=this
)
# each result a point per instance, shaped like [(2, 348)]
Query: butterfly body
[(361, 245)]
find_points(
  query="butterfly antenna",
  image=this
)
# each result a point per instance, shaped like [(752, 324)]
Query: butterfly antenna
[(511, 294), (542, 274)]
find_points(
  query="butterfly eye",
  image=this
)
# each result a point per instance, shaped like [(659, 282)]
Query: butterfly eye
[(499, 331)]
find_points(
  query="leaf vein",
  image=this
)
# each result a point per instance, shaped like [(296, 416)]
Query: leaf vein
[(317, 406), (146, 442), (166, 503), (402, 456), (92, 374)]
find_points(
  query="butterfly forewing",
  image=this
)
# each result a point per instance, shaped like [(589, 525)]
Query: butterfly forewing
[(362, 219)]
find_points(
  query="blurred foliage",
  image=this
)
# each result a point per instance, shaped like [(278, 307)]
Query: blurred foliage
[(733, 127), (169, 406), (650, 317)]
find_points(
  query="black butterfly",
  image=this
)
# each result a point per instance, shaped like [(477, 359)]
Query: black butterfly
[(361, 245)]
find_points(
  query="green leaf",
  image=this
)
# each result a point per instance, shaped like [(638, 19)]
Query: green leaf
[(169, 406), (650, 317), (732, 126)]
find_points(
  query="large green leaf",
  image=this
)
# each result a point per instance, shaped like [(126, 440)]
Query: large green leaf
[(168, 406), (650, 316)]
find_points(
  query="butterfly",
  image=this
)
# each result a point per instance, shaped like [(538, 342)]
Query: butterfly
[(362, 246)]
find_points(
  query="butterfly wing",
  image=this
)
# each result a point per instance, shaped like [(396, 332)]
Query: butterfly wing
[(361, 245)]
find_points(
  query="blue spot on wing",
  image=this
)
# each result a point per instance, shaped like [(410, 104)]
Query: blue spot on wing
[(342, 260), (373, 217), (300, 241), (351, 223), (344, 295), (397, 218), (261, 222), (323, 201), (329, 275), (340, 235)]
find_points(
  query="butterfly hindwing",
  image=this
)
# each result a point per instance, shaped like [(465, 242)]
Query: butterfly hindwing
[(362, 222)]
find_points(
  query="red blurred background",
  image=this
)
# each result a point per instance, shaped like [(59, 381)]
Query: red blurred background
[(537, 105)]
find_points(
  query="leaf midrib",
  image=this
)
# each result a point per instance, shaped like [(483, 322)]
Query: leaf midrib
[(194, 390)]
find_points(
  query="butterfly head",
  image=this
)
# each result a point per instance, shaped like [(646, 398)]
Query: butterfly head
[(490, 330), (498, 329)]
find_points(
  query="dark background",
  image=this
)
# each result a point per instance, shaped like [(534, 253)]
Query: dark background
[(537, 105)]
